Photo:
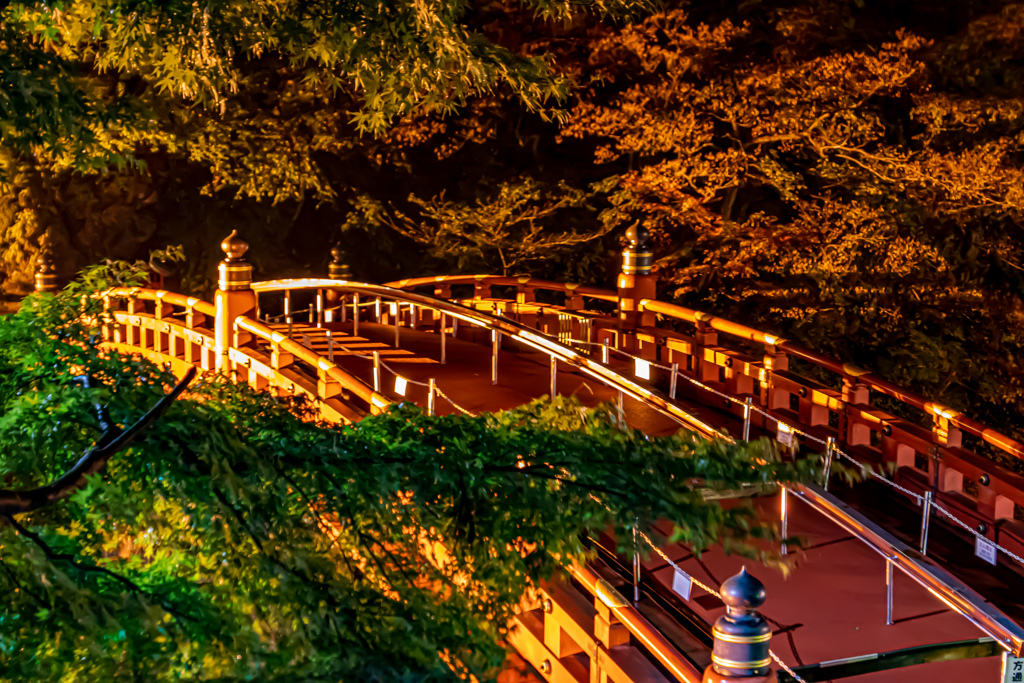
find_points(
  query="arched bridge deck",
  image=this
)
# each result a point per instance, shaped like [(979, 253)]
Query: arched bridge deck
[(477, 343)]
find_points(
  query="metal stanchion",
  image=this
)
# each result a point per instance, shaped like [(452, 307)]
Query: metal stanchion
[(396, 310), (444, 321), (926, 517), (319, 308), (888, 592), (344, 308), (330, 345), (554, 376), (377, 309), (636, 569), (604, 351), (748, 410), (376, 370), (784, 504), (622, 412), (495, 343), (355, 314), (312, 315), (830, 447), (431, 393), (288, 308), (673, 377)]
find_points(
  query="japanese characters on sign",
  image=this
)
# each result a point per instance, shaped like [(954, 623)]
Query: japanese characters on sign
[(1013, 669), (985, 550)]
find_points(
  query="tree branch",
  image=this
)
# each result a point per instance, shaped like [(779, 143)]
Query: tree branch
[(19, 502), (54, 556)]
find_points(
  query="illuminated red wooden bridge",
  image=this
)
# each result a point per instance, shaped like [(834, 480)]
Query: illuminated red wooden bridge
[(913, 575)]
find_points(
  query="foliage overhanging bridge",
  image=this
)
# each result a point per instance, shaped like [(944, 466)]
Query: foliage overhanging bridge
[(937, 482)]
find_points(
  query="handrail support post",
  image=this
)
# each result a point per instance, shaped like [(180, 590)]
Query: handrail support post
[(748, 409), (444, 322), (376, 371), (830, 447), (784, 513), (926, 516), (888, 592), (495, 344), (355, 314)]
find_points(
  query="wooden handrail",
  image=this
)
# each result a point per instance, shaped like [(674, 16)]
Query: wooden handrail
[(172, 298), (653, 641), (505, 281), (311, 357), (869, 379)]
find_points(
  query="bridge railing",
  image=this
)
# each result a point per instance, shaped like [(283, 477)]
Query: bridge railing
[(179, 331), (166, 327), (730, 365)]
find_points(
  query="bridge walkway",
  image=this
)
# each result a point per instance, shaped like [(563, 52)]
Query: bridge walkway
[(841, 578)]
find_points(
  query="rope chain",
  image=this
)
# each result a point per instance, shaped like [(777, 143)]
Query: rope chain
[(454, 404), (864, 468)]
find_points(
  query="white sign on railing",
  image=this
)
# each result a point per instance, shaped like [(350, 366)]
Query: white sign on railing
[(682, 584), (400, 385), (785, 434), (985, 550), (642, 368), (1013, 669)]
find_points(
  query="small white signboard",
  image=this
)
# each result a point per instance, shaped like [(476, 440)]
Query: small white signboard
[(400, 385), (643, 369), (682, 584), (785, 435), (1013, 669), (985, 550)]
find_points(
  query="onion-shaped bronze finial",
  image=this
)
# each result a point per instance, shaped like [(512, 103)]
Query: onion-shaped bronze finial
[(637, 257), (234, 247), (338, 268), (741, 635), (235, 272)]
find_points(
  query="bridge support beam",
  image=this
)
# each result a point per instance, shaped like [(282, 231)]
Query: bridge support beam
[(234, 297)]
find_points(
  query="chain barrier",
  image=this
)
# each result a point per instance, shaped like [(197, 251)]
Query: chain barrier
[(712, 591), (454, 404), (387, 367), (975, 532), (918, 498)]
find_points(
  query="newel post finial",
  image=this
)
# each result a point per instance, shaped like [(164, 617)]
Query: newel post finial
[(338, 268), (637, 257), (46, 270), (235, 272), (741, 635)]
